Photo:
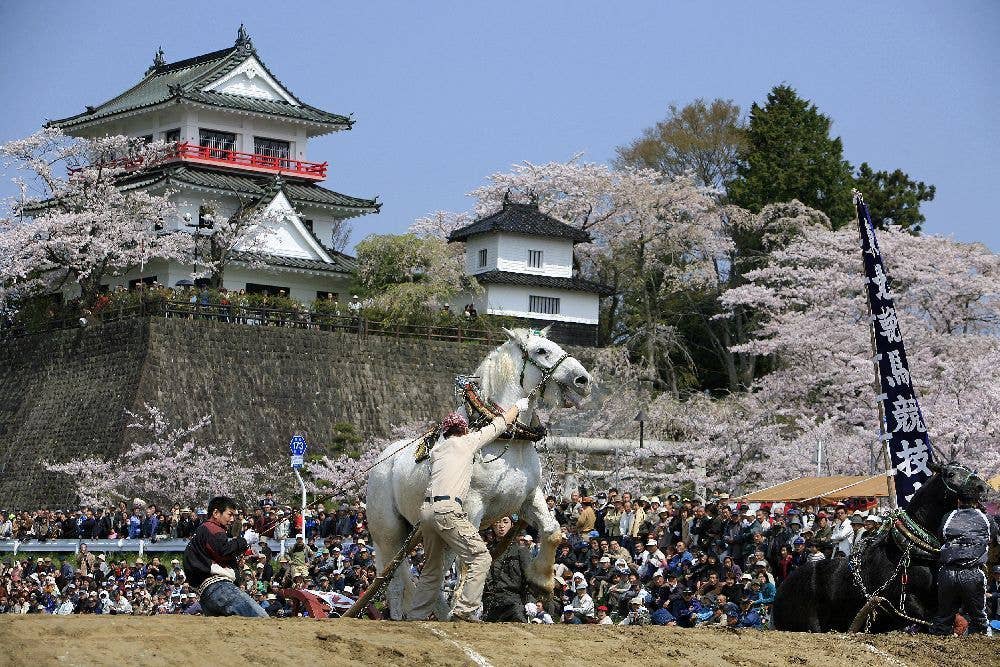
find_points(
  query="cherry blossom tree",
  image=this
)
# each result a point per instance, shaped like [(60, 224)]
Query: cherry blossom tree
[(820, 395), (347, 472), (166, 464), (75, 221), (224, 231), (669, 250), (815, 323)]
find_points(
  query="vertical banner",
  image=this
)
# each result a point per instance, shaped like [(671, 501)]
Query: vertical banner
[(904, 432)]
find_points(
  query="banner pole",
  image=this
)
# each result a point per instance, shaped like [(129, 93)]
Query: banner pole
[(877, 384)]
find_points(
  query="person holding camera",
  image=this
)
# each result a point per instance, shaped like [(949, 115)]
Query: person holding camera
[(211, 562)]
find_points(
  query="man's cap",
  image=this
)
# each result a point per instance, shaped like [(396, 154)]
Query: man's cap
[(654, 499), (636, 600), (620, 563), (793, 521), (174, 561), (605, 559), (746, 576), (569, 609), (760, 563), (798, 540), (602, 608), (102, 557), (821, 514), (857, 519), (688, 591), (996, 569), (454, 421), (651, 543)]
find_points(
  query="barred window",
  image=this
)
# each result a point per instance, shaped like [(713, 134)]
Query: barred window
[(172, 136), (271, 147), (547, 305), (535, 259), (225, 141), (482, 258)]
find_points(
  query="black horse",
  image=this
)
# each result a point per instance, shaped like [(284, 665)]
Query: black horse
[(827, 595)]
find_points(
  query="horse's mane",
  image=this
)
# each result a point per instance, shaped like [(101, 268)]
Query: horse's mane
[(497, 371)]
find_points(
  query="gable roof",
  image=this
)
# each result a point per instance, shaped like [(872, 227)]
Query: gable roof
[(521, 219), (535, 280), (300, 193), (186, 80)]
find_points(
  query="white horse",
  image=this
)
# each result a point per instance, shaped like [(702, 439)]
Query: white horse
[(506, 478)]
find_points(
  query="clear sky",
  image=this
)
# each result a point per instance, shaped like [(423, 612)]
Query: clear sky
[(445, 93)]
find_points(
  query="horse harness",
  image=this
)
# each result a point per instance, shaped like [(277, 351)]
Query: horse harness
[(482, 411), (915, 542)]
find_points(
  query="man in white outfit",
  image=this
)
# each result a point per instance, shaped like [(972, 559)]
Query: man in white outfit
[(444, 523)]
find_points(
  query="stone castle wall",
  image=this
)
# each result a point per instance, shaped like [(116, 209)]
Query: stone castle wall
[(63, 395)]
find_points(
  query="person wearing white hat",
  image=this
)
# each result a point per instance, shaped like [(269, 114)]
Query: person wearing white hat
[(582, 601), (650, 560), (637, 613)]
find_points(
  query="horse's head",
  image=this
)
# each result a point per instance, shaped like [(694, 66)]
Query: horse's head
[(960, 481), (529, 364)]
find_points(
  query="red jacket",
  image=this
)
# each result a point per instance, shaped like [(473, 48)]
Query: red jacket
[(210, 544)]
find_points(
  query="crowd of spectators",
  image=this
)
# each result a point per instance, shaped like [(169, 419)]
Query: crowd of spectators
[(335, 557), (677, 561), (624, 560)]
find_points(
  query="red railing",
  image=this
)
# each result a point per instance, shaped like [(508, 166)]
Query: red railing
[(221, 156)]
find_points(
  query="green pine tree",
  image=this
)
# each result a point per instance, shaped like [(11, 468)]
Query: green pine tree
[(790, 155), (893, 197)]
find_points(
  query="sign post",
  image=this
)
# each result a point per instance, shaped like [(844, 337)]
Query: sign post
[(298, 449)]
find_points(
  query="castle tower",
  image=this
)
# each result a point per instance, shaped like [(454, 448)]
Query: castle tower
[(241, 140), (523, 259)]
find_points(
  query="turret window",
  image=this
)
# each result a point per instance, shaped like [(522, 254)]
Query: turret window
[(271, 147), (482, 258), (535, 259), (225, 141), (546, 305), (172, 136)]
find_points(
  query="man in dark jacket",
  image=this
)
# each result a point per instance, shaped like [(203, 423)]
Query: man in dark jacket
[(211, 563), (504, 593), (967, 533)]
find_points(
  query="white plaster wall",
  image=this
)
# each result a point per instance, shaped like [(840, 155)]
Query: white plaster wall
[(302, 287), (513, 300), (190, 119), (512, 255), (472, 248)]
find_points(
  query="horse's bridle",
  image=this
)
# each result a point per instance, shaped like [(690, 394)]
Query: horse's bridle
[(965, 482), (547, 372)]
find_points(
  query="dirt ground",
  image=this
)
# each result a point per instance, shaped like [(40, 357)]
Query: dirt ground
[(180, 640)]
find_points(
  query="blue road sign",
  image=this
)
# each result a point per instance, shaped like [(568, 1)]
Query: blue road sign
[(297, 445)]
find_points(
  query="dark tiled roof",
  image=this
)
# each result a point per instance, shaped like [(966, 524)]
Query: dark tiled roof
[(301, 193), (521, 219), (532, 280), (342, 263), (184, 79)]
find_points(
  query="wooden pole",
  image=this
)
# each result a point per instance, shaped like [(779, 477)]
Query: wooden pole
[(385, 575)]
